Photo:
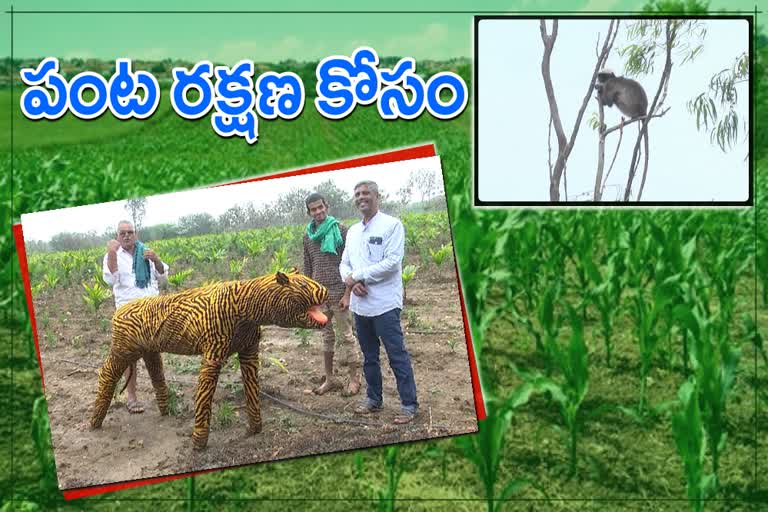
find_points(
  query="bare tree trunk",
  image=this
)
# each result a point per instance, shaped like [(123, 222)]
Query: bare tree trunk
[(613, 161), (645, 165), (549, 44), (564, 144), (600, 154)]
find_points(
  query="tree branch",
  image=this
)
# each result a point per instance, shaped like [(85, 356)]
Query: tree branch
[(613, 161), (565, 145), (601, 59), (671, 34), (549, 148)]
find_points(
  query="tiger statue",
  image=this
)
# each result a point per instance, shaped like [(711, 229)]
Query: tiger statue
[(215, 321)]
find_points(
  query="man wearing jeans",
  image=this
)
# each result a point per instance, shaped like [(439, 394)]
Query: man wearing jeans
[(371, 267)]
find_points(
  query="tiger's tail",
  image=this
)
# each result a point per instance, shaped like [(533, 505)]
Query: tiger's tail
[(127, 380)]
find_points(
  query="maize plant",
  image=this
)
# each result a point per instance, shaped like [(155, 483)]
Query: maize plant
[(217, 254), (569, 394), (51, 278), (485, 448), (714, 362), (280, 261), (38, 288), (95, 295), (41, 435), (580, 252), (66, 266), (438, 256), (236, 267), (550, 325), (178, 278), (606, 296), (169, 258), (761, 262), (753, 334), (690, 439), (409, 272), (254, 246), (646, 318), (481, 229), (394, 473)]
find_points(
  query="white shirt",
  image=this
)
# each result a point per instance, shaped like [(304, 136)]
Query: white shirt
[(374, 254), (123, 281)]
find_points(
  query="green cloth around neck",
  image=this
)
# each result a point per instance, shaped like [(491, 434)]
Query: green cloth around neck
[(328, 233), (140, 265)]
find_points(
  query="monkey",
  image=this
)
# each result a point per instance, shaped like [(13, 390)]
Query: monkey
[(628, 96)]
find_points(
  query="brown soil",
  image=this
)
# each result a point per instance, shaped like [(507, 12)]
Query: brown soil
[(73, 342)]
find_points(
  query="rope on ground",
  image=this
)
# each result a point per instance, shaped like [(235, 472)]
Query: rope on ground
[(339, 419), (288, 405)]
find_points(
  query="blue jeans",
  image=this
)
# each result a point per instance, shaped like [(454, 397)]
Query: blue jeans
[(387, 328)]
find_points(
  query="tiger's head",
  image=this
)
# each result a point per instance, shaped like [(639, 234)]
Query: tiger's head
[(295, 300)]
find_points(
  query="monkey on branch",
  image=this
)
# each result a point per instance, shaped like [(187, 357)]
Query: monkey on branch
[(629, 97), (627, 94)]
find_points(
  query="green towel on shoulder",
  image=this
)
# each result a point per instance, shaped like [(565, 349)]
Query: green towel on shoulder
[(328, 233), (140, 266)]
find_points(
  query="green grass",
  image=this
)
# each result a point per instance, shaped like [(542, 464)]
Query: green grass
[(69, 129)]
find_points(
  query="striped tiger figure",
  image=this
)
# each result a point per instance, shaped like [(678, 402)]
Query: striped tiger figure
[(215, 321)]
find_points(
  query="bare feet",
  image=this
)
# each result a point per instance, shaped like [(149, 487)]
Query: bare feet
[(326, 386), (134, 407), (353, 387)]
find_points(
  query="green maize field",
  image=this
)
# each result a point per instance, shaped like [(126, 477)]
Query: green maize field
[(601, 335)]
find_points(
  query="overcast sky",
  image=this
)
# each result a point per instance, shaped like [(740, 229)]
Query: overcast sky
[(514, 116), (168, 208)]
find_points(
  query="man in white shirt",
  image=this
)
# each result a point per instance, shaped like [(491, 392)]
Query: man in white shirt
[(371, 267), (133, 271)]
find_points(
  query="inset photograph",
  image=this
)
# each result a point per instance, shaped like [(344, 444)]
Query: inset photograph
[(612, 111), (251, 322)]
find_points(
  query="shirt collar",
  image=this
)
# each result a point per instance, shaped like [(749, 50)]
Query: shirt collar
[(371, 219)]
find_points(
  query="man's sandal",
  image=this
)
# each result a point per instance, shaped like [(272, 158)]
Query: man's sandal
[(366, 408), (404, 418)]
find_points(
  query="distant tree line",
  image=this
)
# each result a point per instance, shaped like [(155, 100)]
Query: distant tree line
[(288, 209)]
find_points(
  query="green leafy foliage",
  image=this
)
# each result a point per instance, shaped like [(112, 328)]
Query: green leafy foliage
[(690, 438), (41, 435), (178, 278), (225, 414), (439, 255), (507, 260), (484, 449), (95, 295), (409, 272), (280, 261), (569, 392)]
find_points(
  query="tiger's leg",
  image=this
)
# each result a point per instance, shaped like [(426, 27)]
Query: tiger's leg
[(249, 367), (109, 375), (206, 387), (154, 364), (246, 342)]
